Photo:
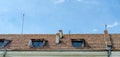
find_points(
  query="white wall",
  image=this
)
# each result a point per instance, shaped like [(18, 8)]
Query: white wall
[(53, 54), (115, 54)]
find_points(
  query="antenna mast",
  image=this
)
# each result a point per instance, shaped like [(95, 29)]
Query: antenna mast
[(105, 27), (69, 33), (22, 23)]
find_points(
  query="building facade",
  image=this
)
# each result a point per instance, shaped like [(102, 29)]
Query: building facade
[(60, 45)]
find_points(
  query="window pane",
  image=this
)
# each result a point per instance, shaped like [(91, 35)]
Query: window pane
[(6, 42), (37, 43), (77, 44), (1, 43)]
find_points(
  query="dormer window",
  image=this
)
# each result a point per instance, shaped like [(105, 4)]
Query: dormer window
[(78, 43), (37, 43), (4, 43)]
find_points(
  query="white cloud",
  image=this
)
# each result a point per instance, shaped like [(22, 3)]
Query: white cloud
[(113, 25), (88, 1), (95, 30), (59, 1), (79, 0)]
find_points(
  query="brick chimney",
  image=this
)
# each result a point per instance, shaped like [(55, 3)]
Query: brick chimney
[(107, 37)]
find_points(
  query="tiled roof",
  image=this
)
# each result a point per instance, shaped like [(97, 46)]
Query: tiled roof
[(92, 41)]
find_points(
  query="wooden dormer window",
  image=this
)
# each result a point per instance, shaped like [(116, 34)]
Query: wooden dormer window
[(37, 43), (78, 43), (4, 43)]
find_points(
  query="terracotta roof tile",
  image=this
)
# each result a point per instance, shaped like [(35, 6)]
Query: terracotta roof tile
[(92, 41)]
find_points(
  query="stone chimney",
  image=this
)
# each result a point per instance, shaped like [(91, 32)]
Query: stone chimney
[(107, 38), (57, 38)]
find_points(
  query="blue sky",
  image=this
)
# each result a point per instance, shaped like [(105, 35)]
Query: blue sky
[(48, 16)]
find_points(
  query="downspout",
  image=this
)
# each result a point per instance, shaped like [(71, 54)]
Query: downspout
[(5, 52), (109, 50), (109, 53)]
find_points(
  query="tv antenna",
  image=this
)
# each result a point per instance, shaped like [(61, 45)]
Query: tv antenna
[(69, 33)]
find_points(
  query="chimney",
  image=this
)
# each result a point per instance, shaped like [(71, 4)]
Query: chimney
[(61, 33), (107, 38), (57, 38)]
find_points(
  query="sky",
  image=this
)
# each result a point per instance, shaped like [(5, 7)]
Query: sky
[(49, 16)]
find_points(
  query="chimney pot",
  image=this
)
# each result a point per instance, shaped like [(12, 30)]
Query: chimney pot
[(61, 33)]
